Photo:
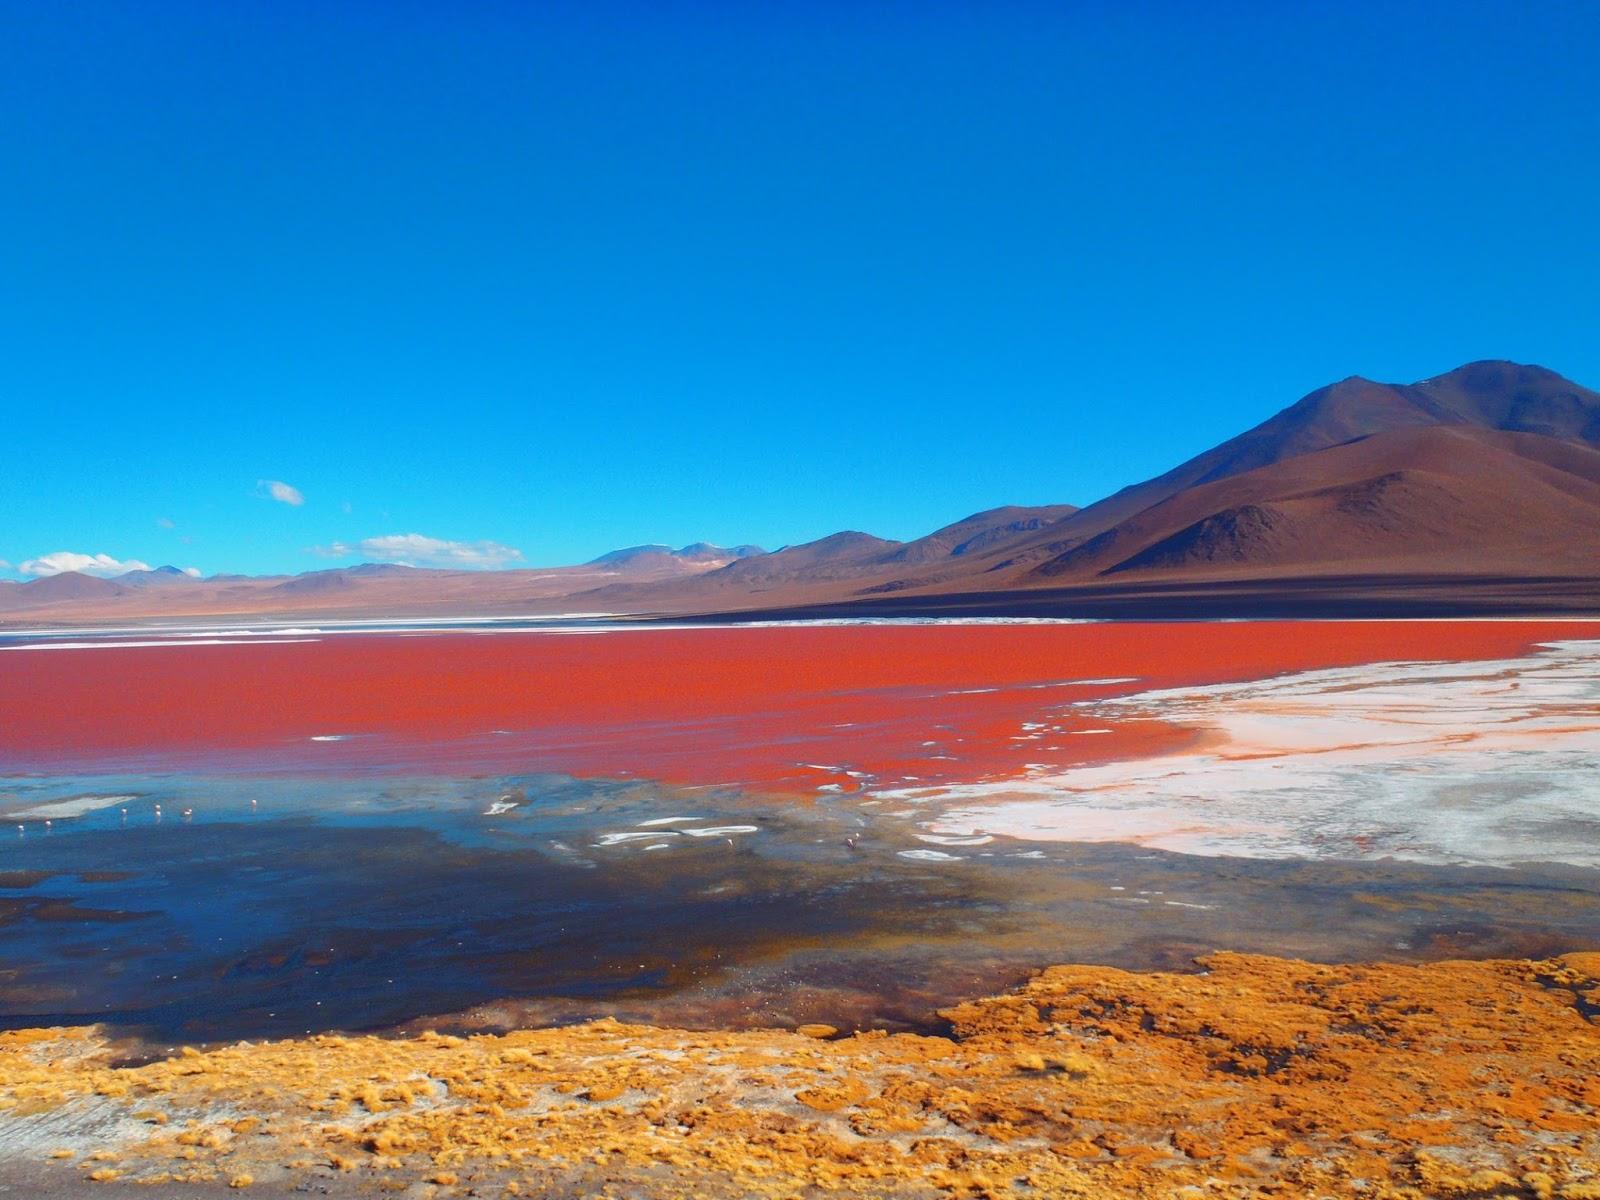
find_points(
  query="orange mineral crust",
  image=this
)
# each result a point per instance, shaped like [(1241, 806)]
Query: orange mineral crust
[(1259, 1076), (789, 709)]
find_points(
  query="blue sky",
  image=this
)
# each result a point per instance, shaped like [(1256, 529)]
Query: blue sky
[(557, 278)]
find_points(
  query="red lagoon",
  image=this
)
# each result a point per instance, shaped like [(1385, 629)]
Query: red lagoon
[(789, 709)]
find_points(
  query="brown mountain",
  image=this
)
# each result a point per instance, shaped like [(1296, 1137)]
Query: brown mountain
[(1488, 472), (838, 565), (366, 589), (1486, 475), (980, 532), (657, 557), (155, 577), (1446, 499), (68, 585), (1487, 395), (817, 570)]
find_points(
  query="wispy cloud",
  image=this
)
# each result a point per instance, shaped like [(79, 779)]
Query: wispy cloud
[(165, 522), (89, 564), (277, 489), (418, 550)]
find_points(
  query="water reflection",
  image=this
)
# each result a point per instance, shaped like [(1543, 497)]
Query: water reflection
[(198, 909)]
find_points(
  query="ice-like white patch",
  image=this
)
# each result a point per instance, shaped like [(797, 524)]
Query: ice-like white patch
[(722, 830), (930, 856), (1053, 683), (292, 632), (665, 821), (941, 839), (1441, 762), (1113, 680), (635, 835), (497, 807), (75, 806), (331, 737), (125, 645)]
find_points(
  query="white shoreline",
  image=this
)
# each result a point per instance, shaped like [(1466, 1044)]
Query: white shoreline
[(244, 633), (73, 806), (1485, 763)]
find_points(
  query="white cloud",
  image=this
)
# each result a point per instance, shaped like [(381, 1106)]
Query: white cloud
[(89, 564), (165, 522), (192, 572), (417, 550), (277, 489)]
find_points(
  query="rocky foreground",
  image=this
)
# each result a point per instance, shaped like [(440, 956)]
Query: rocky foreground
[(1259, 1076)]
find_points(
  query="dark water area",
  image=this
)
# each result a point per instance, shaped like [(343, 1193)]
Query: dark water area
[(276, 907)]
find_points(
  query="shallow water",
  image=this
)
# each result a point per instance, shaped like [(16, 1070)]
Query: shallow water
[(314, 836), (281, 906)]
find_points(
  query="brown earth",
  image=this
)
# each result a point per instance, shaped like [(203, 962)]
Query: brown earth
[(1258, 1076), (1437, 499), (1506, 396)]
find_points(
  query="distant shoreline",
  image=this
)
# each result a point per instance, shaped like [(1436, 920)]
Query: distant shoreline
[(1337, 597), (1333, 597)]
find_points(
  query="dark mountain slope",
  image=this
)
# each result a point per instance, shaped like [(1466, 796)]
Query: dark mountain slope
[(1446, 499), (1487, 395)]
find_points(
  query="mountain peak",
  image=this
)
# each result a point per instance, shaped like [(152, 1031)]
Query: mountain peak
[(156, 577), (1484, 371), (614, 557), (694, 552)]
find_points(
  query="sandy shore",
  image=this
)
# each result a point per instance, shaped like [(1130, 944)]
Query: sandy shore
[(1256, 1076)]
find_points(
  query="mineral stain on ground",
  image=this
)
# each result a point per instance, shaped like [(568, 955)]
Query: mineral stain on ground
[(1257, 1076)]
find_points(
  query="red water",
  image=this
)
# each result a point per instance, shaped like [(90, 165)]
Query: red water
[(764, 707)]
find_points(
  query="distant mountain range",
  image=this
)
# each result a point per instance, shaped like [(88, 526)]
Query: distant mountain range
[(1483, 482), (364, 589), (702, 553)]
